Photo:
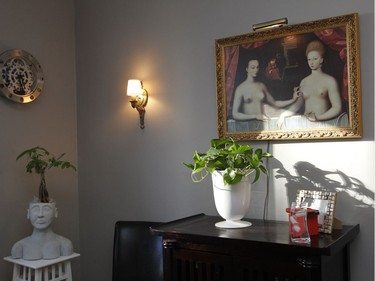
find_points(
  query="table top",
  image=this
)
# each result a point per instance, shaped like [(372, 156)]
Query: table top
[(272, 233), (36, 264)]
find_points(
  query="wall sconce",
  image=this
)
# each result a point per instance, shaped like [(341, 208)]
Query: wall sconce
[(139, 98), (270, 24)]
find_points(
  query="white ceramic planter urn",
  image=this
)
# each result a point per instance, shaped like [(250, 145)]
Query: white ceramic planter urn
[(231, 201)]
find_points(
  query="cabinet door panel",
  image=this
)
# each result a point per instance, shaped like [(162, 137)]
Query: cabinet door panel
[(268, 269), (188, 265)]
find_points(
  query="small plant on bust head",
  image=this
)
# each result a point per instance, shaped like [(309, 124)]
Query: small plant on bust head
[(39, 161)]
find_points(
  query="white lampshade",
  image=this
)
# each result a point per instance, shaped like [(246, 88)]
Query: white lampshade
[(134, 87)]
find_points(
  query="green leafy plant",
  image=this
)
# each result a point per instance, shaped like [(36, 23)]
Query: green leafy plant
[(234, 161), (41, 160)]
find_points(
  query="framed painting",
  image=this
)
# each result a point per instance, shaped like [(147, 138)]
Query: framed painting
[(323, 201), (294, 82)]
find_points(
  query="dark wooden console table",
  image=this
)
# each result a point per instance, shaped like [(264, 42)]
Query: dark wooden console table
[(194, 249)]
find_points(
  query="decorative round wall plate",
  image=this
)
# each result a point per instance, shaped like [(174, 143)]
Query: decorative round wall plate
[(21, 78)]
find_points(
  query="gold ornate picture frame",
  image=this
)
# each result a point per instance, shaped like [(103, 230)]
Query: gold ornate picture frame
[(267, 87), (323, 201)]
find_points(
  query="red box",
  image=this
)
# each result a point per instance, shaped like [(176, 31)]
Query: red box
[(312, 221)]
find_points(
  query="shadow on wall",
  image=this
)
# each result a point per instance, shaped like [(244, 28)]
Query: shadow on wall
[(352, 195)]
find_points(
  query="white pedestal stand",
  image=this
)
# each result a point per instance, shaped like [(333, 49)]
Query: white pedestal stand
[(42, 270)]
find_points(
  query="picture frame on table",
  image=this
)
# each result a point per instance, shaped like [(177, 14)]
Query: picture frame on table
[(268, 87), (324, 202)]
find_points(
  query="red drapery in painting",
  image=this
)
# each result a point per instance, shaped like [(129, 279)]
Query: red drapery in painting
[(334, 38)]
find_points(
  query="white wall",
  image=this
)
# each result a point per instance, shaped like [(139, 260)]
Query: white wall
[(46, 30), (130, 174)]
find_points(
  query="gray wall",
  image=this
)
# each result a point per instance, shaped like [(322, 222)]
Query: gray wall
[(127, 173), (130, 174), (46, 30)]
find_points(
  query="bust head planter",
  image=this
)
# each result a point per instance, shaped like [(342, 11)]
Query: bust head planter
[(234, 167), (43, 243)]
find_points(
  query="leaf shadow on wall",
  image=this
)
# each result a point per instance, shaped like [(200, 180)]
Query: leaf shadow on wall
[(353, 198)]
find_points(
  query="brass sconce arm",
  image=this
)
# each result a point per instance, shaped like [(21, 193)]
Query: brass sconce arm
[(138, 98), (139, 103)]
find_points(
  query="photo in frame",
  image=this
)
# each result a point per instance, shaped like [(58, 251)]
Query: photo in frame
[(323, 201), (294, 82)]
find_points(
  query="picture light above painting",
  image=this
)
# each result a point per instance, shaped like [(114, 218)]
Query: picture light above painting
[(293, 82)]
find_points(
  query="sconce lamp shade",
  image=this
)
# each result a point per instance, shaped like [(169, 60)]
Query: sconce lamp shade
[(134, 87)]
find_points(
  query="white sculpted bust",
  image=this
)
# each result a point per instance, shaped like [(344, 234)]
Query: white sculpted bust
[(43, 243)]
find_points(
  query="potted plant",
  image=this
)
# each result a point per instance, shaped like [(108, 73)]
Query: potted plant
[(40, 160), (233, 160), (232, 166), (43, 243)]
